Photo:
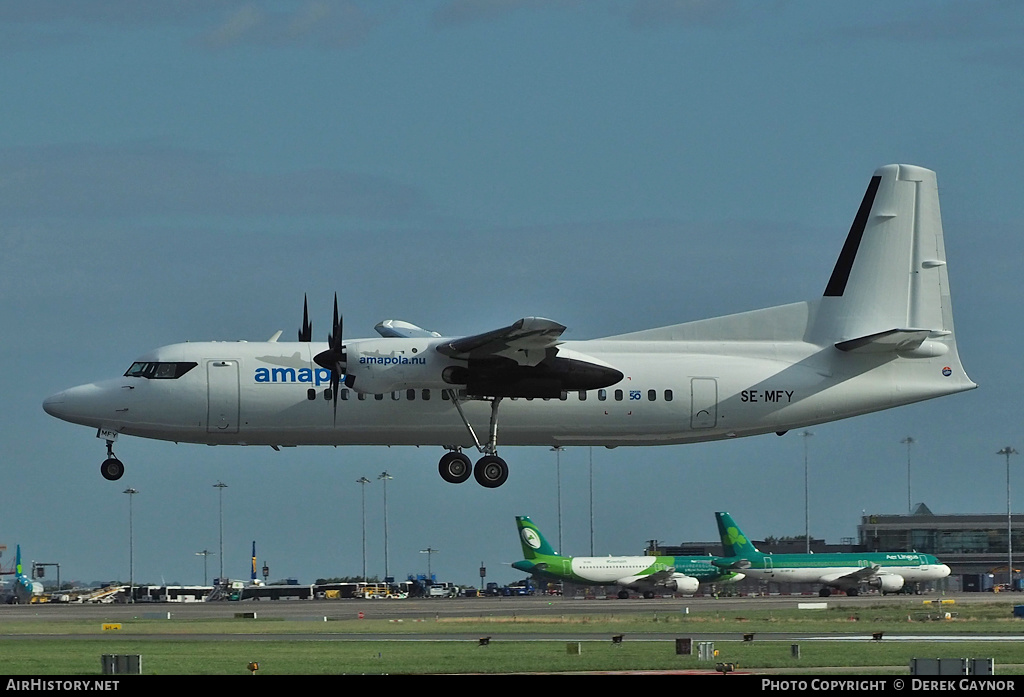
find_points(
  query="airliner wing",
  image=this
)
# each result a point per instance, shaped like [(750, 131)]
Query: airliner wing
[(655, 579), (731, 564), (859, 576), (526, 342), (659, 576)]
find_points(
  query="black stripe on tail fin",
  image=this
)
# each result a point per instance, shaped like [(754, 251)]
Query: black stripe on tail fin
[(841, 273)]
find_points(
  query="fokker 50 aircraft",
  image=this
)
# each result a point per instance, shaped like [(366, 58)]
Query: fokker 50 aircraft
[(648, 575), (880, 337), (886, 571)]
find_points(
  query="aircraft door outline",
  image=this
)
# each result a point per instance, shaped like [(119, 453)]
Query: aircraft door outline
[(703, 403), (222, 396)]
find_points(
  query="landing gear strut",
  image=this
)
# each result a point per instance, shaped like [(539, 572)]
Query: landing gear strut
[(490, 470), (111, 468)]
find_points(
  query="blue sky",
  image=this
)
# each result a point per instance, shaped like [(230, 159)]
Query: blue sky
[(188, 170)]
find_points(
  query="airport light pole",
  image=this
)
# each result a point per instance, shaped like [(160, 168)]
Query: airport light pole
[(557, 450), (591, 471), (204, 554), (908, 441), (384, 476), (131, 546), (363, 481), (429, 551), (1007, 451), (807, 507), (221, 486)]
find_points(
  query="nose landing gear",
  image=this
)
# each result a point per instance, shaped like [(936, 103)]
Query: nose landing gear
[(112, 469)]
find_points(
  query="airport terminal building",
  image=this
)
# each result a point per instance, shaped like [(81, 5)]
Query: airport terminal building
[(975, 547)]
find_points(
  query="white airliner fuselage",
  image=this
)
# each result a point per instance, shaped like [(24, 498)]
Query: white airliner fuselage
[(882, 336), (671, 392)]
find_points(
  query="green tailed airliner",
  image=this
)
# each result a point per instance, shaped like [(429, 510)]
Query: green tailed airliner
[(645, 574), (886, 571)]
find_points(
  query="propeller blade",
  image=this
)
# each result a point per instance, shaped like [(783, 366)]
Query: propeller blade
[(335, 379), (336, 338), (334, 358), (306, 333)]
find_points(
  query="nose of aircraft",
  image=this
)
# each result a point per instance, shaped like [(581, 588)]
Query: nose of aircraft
[(88, 405), (54, 405)]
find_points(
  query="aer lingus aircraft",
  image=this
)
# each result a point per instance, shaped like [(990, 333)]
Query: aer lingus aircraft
[(24, 588), (880, 337), (886, 571), (648, 575)]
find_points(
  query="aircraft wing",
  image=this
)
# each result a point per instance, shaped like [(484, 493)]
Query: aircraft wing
[(526, 342), (660, 576), (859, 576), (731, 564), (655, 579)]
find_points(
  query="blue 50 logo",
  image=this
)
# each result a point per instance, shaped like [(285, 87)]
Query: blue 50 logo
[(634, 395)]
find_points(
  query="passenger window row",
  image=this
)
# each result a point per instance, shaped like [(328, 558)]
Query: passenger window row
[(412, 395)]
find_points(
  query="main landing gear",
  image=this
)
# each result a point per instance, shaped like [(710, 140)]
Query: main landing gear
[(490, 470), (112, 469)]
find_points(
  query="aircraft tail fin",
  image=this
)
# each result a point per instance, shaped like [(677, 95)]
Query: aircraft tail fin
[(532, 540), (889, 290), (17, 560), (734, 542)]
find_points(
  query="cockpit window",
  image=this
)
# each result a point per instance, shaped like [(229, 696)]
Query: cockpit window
[(159, 371)]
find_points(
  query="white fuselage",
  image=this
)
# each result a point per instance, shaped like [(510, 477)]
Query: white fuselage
[(829, 574), (612, 570), (270, 393)]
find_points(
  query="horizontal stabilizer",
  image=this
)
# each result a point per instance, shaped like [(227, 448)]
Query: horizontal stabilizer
[(892, 341)]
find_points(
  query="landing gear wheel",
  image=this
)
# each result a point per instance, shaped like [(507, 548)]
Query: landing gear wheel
[(112, 469), (455, 468), (648, 594), (623, 595), (490, 471), (852, 592), (824, 593)]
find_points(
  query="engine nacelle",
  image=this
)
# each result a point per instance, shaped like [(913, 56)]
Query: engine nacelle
[(681, 583), (887, 583), (379, 366), (561, 370)]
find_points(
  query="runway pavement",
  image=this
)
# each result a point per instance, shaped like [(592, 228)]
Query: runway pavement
[(429, 608)]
